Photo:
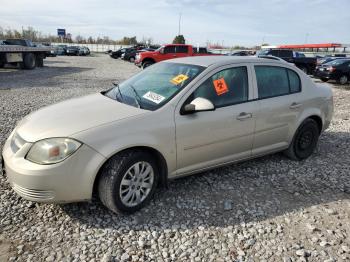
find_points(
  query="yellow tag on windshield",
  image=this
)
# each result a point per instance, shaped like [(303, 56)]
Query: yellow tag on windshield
[(179, 79)]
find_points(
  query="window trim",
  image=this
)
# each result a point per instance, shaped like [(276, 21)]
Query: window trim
[(218, 71), (286, 69)]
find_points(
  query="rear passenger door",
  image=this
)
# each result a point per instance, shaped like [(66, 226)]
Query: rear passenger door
[(280, 103)]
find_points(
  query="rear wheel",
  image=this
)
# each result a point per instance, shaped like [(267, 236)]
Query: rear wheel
[(343, 80), (29, 61), (128, 181), (324, 79), (304, 141)]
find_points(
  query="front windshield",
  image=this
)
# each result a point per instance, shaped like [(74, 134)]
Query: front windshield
[(263, 52), (154, 86)]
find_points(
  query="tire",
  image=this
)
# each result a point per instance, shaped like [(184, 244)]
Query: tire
[(132, 59), (147, 64), (117, 175), (343, 80), (29, 61), (324, 79), (304, 141)]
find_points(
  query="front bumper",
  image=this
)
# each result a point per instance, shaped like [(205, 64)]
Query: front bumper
[(71, 180)]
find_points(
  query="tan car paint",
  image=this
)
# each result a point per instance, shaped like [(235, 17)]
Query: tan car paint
[(189, 143)]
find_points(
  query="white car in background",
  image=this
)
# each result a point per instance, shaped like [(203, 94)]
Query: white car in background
[(176, 118)]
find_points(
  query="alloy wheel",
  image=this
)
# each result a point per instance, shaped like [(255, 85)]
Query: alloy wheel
[(136, 184)]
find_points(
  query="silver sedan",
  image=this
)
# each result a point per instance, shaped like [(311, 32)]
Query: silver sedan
[(176, 118)]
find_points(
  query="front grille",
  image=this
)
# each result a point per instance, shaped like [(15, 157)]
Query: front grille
[(17, 142), (33, 194)]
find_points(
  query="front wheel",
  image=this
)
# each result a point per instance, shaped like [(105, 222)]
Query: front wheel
[(324, 79), (128, 181), (304, 141), (343, 80), (147, 64)]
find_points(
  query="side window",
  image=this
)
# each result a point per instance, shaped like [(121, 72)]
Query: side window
[(294, 81), (272, 81), (169, 49), (227, 87), (286, 53), (182, 49), (274, 53)]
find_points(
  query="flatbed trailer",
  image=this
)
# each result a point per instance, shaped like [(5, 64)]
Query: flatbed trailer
[(26, 56)]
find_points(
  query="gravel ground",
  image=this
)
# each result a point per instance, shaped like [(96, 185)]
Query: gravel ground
[(268, 209)]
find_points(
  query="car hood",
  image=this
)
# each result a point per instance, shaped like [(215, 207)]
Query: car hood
[(72, 116)]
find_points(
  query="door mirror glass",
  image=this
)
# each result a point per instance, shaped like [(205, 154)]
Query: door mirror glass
[(197, 105), (161, 51)]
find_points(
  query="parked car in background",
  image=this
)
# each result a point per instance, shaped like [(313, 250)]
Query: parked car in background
[(187, 115), (338, 70), (83, 51), (72, 50), (240, 53), (2, 42), (130, 54), (306, 64), (166, 52), (117, 54), (61, 49), (51, 53), (18, 41), (326, 59)]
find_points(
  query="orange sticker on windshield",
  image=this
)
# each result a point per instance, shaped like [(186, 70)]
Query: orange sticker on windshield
[(220, 86), (179, 79)]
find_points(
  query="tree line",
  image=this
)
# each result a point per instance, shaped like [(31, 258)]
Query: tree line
[(37, 36)]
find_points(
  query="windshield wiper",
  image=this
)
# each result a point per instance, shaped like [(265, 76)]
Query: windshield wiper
[(137, 97), (120, 93)]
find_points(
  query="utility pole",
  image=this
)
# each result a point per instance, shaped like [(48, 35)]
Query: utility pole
[(179, 24), (306, 37)]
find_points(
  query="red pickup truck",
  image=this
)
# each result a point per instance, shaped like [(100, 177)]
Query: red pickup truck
[(145, 59)]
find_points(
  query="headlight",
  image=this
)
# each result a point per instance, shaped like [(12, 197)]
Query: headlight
[(52, 150)]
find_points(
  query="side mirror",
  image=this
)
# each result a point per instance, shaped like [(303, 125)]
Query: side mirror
[(161, 51), (197, 105)]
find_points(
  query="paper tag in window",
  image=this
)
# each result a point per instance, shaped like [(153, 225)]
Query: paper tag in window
[(179, 79), (220, 86), (155, 98)]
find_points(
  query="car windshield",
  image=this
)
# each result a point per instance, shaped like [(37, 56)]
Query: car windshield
[(337, 62), (155, 86), (263, 52)]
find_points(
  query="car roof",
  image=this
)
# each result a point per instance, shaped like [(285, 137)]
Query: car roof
[(218, 60)]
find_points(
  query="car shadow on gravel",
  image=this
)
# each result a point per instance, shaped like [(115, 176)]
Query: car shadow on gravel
[(252, 191), (39, 77)]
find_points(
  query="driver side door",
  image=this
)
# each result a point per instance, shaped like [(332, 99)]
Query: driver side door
[(212, 138)]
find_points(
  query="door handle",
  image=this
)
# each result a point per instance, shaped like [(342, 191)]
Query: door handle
[(294, 105), (244, 115)]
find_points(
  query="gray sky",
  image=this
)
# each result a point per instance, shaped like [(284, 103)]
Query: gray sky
[(229, 22)]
